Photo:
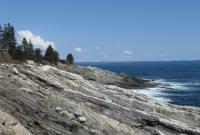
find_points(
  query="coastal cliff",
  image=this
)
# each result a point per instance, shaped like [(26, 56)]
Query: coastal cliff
[(75, 100)]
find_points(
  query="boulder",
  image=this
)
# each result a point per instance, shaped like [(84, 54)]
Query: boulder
[(77, 112), (66, 114), (30, 62), (81, 119), (15, 71), (58, 109)]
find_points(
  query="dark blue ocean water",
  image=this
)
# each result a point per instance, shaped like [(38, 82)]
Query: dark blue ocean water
[(183, 77)]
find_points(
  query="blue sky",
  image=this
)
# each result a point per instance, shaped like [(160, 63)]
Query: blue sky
[(109, 30)]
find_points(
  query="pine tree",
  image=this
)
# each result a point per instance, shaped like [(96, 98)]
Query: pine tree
[(12, 50), (6, 36), (12, 44), (25, 48), (55, 57), (30, 51), (1, 32), (38, 55), (19, 54), (70, 59), (8, 40), (49, 54)]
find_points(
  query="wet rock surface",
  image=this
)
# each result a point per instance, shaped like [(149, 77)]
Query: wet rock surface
[(44, 100)]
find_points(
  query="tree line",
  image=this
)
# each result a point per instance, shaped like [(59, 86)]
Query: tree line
[(25, 51)]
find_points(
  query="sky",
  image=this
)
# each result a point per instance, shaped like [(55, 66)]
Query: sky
[(109, 30)]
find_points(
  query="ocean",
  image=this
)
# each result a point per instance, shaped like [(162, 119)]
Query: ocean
[(183, 78)]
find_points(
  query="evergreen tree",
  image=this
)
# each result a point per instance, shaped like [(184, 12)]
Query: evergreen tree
[(6, 36), (24, 48), (51, 55), (1, 32), (12, 50), (38, 55), (24, 45), (8, 40), (19, 54), (30, 51), (70, 59), (12, 44), (55, 57)]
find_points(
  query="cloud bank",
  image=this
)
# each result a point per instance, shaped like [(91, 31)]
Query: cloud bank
[(35, 39)]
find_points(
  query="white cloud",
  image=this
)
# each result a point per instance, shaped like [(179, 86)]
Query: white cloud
[(35, 39), (98, 48), (79, 49), (127, 52)]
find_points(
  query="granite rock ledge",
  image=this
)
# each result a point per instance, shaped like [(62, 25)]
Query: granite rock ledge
[(45, 100)]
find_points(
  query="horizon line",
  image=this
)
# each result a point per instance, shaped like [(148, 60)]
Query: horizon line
[(137, 61)]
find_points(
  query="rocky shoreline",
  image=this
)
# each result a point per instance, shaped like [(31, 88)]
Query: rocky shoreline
[(75, 100), (107, 77)]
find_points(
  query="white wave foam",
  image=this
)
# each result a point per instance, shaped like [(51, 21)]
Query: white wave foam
[(172, 85), (154, 92), (158, 92), (163, 99), (197, 83)]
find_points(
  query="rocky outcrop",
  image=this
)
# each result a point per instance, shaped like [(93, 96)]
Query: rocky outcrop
[(10, 126), (45, 100), (107, 77)]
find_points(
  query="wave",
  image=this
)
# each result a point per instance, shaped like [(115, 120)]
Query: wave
[(157, 93), (197, 83), (172, 85), (162, 91)]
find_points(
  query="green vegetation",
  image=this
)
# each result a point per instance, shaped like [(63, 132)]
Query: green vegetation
[(7, 39), (25, 50), (51, 55), (70, 59), (38, 55)]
